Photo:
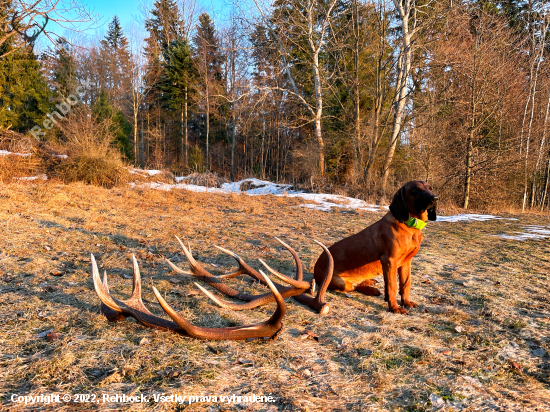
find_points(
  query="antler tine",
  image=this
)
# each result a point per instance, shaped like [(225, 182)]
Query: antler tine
[(243, 266), (224, 250), (192, 262), (270, 328), (279, 314), (330, 269), (232, 275), (177, 269), (102, 289), (299, 288), (115, 309), (200, 273), (105, 281), (318, 302), (136, 284), (299, 268), (111, 314), (300, 284), (259, 301)]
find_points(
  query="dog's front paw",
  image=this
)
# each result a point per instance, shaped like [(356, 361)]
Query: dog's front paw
[(409, 304), (397, 309)]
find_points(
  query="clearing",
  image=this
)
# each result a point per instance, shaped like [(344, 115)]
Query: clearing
[(478, 341)]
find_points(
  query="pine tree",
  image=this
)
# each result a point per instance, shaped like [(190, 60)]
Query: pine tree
[(208, 46), (209, 62), (24, 93), (178, 85), (115, 55), (61, 65), (121, 128), (115, 37), (164, 26)]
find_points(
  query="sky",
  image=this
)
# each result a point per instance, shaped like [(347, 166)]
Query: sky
[(131, 11)]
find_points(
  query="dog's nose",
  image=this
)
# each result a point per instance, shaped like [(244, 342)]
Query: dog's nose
[(436, 198)]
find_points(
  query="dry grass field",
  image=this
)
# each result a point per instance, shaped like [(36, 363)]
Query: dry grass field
[(478, 341)]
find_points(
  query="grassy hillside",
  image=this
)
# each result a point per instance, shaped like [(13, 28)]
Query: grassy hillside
[(475, 342)]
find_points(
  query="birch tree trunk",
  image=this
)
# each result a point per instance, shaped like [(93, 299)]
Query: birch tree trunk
[(233, 108), (207, 108), (319, 114), (541, 150), (186, 158), (317, 18), (357, 140), (135, 136), (403, 8), (532, 93)]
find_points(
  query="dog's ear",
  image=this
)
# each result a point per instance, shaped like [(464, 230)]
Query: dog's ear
[(398, 208), (432, 213)]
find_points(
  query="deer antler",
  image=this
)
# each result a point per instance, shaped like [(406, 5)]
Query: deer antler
[(115, 310), (297, 290), (318, 302), (298, 286)]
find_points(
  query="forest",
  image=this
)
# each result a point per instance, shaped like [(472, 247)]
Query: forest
[(352, 96)]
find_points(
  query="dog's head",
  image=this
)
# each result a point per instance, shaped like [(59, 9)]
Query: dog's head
[(414, 198)]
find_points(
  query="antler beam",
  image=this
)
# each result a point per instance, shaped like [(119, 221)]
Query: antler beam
[(297, 290), (115, 310), (253, 301)]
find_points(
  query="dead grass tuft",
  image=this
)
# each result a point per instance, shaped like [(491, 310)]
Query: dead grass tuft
[(207, 179), (107, 171), (14, 166)]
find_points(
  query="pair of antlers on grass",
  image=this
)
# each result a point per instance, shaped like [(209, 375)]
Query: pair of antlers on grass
[(115, 310)]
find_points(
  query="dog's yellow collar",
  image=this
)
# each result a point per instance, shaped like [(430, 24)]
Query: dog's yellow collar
[(415, 223)]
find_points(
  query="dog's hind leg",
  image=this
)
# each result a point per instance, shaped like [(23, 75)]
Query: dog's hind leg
[(367, 288)]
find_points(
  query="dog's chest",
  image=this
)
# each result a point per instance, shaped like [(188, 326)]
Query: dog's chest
[(412, 247)]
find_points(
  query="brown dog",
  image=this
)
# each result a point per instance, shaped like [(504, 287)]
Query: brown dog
[(385, 247)]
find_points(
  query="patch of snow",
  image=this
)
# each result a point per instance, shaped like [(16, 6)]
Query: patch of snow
[(61, 156), (43, 177), (258, 187), (470, 217), (522, 236), (326, 202), (143, 172), (532, 232), (6, 153), (543, 230), (323, 202)]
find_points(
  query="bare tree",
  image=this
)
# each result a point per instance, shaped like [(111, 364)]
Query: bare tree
[(139, 88), (29, 19), (311, 19), (475, 64), (538, 34)]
